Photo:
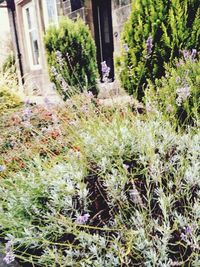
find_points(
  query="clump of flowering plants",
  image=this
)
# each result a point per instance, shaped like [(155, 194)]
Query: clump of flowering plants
[(177, 95), (124, 193)]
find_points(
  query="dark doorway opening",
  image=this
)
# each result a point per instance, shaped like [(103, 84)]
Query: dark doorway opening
[(102, 16)]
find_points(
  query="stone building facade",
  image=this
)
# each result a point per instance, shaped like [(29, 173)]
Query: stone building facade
[(104, 17)]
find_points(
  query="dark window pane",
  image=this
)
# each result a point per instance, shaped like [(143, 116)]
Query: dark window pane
[(76, 4)]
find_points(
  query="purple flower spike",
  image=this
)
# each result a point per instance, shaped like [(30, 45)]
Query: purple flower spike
[(149, 45), (104, 68), (105, 71), (188, 230), (82, 219), (194, 53), (10, 256)]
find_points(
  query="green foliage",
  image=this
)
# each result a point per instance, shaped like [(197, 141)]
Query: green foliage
[(8, 98), (177, 95), (71, 57), (173, 26), (137, 179), (9, 64)]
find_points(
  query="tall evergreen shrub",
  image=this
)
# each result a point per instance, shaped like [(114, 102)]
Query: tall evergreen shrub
[(71, 56), (173, 27)]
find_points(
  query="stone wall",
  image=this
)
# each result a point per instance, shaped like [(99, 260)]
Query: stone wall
[(120, 12), (85, 12)]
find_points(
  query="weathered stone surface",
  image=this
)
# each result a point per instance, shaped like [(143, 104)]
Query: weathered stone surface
[(120, 3), (125, 2), (121, 15)]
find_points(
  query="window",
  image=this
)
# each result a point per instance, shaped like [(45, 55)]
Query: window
[(76, 4), (31, 34), (50, 12)]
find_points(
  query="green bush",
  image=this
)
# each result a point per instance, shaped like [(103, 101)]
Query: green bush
[(8, 85), (177, 95), (8, 100), (71, 57), (9, 64), (171, 25)]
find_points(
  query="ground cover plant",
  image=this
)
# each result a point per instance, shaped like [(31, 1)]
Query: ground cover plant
[(110, 188), (164, 30)]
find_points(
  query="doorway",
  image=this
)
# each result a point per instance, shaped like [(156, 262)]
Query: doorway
[(102, 16)]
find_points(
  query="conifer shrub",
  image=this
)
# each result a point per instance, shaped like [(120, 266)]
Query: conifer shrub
[(156, 32), (177, 95), (71, 56)]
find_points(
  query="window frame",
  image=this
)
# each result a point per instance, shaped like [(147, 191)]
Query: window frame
[(72, 5), (27, 32), (46, 16)]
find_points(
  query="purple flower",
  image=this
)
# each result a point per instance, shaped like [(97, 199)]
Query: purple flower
[(178, 79), (10, 256), (26, 114), (149, 45), (105, 71), (126, 48), (82, 219), (27, 102), (183, 93), (59, 59), (78, 155), (188, 230), (104, 68), (90, 95), (169, 109), (187, 233), (2, 168), (84, 109), (186, 54), (194, 53)]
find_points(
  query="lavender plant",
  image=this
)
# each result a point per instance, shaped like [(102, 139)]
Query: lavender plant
[(126, 192), (177, 94)]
